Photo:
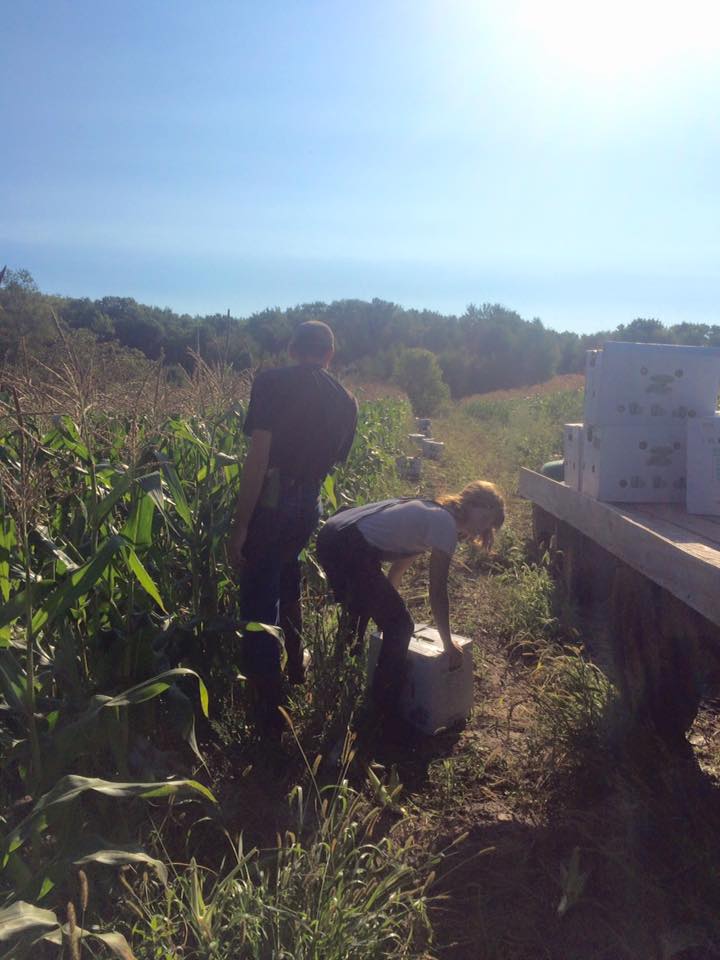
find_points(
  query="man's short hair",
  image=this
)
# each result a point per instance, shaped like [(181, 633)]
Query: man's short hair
[(312, 340)]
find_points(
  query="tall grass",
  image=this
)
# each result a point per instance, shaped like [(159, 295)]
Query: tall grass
[(338, 886), (527, 430), (571, 702)]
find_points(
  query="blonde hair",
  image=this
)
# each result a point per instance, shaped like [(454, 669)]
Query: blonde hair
[(478, 493)]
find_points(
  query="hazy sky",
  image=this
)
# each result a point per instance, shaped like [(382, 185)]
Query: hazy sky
[(557, 156)]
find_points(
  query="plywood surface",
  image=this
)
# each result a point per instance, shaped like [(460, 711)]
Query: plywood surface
[(678, 551)]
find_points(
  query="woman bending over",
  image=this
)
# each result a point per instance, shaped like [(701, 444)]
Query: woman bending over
[(354, 543)]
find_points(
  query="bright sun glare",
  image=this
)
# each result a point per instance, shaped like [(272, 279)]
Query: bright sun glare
[(617, 39)]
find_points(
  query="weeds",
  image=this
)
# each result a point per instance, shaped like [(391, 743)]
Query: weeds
[(336, 887), (526, 614), (523, 431), (573, 711)]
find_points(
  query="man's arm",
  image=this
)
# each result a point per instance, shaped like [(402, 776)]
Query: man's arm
[(397, 569), (440, 605), (253, 475)]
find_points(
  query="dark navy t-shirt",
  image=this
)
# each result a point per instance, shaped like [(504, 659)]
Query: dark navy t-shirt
[(311, 417)]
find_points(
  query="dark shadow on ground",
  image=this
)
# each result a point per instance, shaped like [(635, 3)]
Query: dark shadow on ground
[(633, 874)]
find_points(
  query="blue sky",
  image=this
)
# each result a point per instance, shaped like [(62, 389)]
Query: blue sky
[(559, 157)]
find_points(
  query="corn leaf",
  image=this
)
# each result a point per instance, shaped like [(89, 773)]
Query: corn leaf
[(152, 486), (66, 436), (252, 626), (115, 942), (13, 684), (182, 430), (42, 534), (20, 918), (7, 542), (116, 858), (328, 490), (76, 584), (136, 567), (70, 739), (138, 529), (16, 607), (24, 923), (176, 490), (71, 787), (102, 508), (156, 685), (224, 460)]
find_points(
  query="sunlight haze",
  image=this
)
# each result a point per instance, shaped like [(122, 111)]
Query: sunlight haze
[(559, 158)]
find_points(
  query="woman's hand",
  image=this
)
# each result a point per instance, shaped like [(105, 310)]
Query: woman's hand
[(455, 656)]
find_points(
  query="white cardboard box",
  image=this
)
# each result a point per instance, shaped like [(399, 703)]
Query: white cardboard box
[(433, 698), (635, 382), (703, 466), (593, 370), (432, 449), (641, 463), (573, 434)]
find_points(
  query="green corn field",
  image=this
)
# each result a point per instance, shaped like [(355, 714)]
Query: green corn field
[(115, 588)]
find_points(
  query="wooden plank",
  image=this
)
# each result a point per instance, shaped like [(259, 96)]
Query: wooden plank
[(706, 527), (683, 563)]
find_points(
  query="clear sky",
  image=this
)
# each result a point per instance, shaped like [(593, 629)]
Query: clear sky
[(556, 156)]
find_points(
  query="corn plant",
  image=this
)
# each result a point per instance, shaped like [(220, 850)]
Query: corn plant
[(381, 430), (28, 928), (115, 584), (80, 617)]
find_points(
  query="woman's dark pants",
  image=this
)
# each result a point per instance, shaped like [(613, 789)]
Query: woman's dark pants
[(355, 574)]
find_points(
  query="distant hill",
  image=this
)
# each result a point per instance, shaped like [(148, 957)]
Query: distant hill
[(489, 347)]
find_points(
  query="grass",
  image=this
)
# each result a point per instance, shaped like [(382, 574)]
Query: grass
[(337, 886)]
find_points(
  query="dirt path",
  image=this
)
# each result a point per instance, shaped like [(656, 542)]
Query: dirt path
[(609, 852)]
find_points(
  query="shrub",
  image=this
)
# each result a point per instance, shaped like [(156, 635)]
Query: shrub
[(419, 374)]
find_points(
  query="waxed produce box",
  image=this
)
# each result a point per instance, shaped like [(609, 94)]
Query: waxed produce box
[(703, 466), (573, 436), (433, 698), (629, 383), (644, 462)]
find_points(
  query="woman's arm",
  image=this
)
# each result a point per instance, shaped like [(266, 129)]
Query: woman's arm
[(440, 605), (398, 568)]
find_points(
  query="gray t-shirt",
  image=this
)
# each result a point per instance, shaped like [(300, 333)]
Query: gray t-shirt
[(403, 528)]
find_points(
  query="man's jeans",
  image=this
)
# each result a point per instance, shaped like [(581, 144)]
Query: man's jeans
[(270, 588)]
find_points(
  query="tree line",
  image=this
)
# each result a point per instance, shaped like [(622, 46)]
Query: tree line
[(488, 347)]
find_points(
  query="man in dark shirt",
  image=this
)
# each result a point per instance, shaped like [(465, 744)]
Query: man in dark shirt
[(301, 422)]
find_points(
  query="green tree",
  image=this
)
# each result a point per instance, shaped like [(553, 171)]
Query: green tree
[(418, 372), (642, 330), (24, 314), (271, 330)]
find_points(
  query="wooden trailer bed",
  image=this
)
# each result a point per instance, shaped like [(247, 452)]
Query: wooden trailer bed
[(649, 574)]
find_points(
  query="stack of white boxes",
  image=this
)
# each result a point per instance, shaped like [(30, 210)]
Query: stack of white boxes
[(642, 402)]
